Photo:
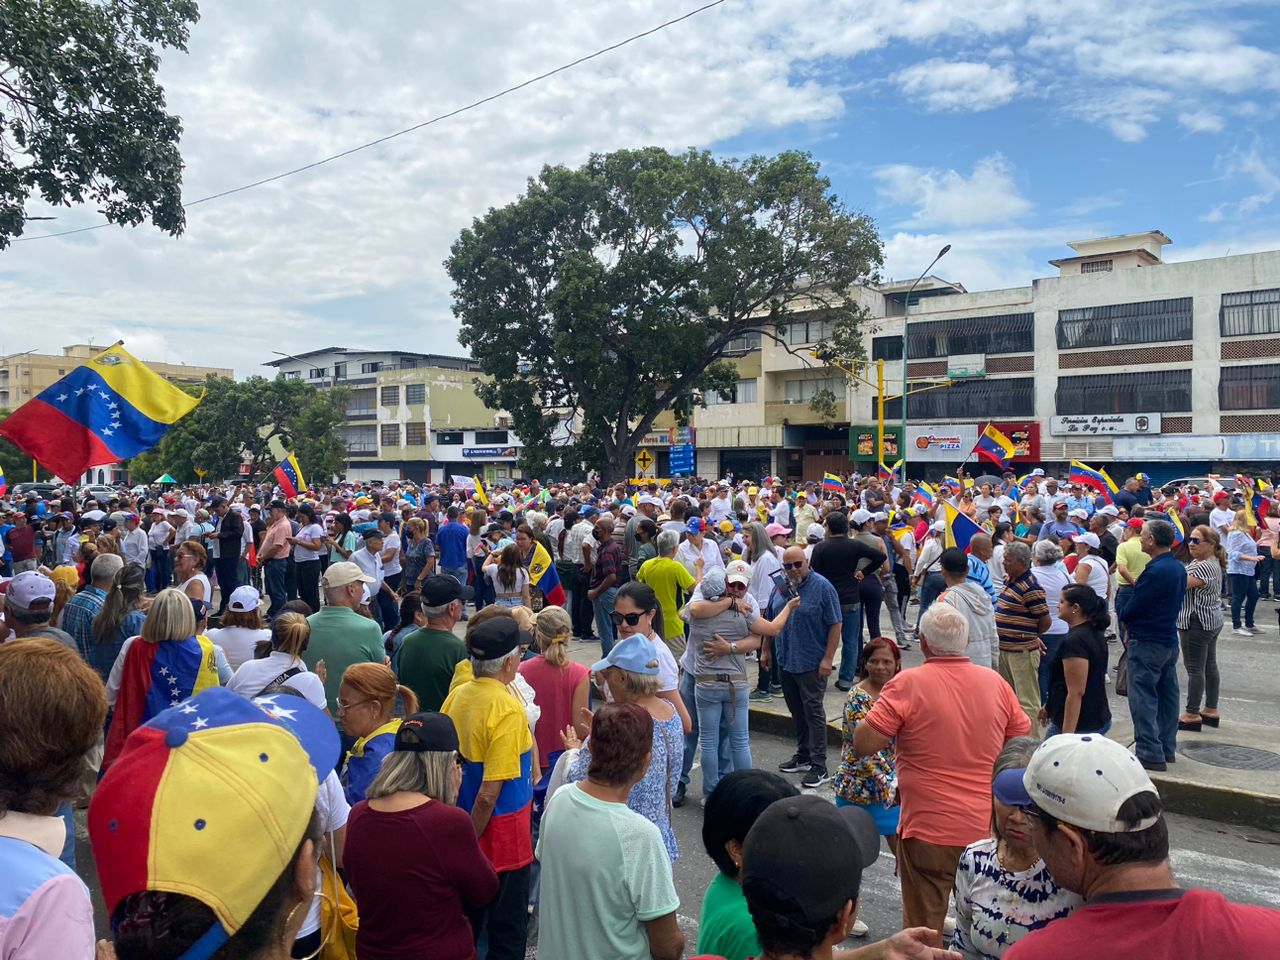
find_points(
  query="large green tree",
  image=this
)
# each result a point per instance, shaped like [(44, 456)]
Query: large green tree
[(82, 116), (610, 293), (249, 422)]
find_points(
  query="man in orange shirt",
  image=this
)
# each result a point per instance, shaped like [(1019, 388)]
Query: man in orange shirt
[(273, 556), (949, 719)]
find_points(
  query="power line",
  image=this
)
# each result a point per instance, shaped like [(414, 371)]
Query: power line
[(407, 130)]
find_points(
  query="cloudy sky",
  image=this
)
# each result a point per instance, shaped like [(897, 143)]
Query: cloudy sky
[(1004, 127)]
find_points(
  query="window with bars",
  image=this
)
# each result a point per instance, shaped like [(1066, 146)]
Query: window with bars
[(744, 391), (1150, 321), (1096, 266), (390, 396), (930, 339), (1250, 312), (812, 331), (390, 434), (1249, 388), (360, 403), (1147, 391), (972, 399), (415, 393), (415, 434), (803, 391), (372, 367)]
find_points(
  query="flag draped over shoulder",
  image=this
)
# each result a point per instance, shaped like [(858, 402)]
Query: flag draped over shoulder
[(994, 446), (289, 475), (108, 409), (157, 676), (544, 576), (960, 529)]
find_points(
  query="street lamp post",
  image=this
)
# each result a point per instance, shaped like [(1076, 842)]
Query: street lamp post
[(906, 311)]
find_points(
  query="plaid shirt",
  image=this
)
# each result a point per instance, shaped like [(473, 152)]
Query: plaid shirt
[(608, 560), (77, 617)]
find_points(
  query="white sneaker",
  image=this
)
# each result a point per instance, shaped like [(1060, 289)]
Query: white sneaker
[(1242, 632), (949, 926), (859, 929)]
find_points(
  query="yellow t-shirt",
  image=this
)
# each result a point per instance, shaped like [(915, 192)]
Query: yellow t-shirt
[(1135, 561), (669, 579)]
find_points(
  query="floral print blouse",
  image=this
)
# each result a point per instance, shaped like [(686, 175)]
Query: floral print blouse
[(864, 780)]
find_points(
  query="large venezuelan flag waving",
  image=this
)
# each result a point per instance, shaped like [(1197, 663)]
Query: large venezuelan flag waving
[(108, 409), (544, 576)]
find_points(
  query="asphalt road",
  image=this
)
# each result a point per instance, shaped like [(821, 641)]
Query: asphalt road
[(1243, 864)]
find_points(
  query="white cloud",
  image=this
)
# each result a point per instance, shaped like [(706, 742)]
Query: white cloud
[(958, 85), (1265, 182), (984, 259), (949, 198), (1202, 121)]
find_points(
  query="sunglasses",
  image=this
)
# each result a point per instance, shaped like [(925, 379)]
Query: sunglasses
[(1194, 540), (630, 619), (793, 566)]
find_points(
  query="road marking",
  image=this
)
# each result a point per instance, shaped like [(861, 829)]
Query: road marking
[(1237, 880)]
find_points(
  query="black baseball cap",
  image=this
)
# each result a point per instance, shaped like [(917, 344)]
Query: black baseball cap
[(441, 589), (278, 505), (496, 638), (426, 732), (803, 859)]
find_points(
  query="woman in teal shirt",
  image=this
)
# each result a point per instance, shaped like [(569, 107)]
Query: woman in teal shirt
[(725, 928)]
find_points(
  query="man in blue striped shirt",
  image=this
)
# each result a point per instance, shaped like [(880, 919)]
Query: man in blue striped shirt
[(78, 615)]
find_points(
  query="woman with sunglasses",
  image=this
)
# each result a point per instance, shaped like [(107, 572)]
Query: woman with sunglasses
[(1200, 621), (408, 834), (367, 711), (1077, 671), (629, 674)]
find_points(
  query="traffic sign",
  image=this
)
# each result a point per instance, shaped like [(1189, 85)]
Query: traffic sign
[(682, 457), (644, 463), (200, 472)]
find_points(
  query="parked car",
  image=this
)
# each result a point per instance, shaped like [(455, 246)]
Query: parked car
[(1204, 483), (99, 492), (42, 489)]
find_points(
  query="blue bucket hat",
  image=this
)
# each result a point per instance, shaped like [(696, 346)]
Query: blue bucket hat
[(633, 654)]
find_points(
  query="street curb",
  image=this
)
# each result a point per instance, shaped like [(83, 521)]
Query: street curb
[(1203, 800)]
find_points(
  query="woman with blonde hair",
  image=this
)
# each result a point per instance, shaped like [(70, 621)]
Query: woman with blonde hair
[(189, 562), (1199, 623), (1242, 565), (166, 664), (560, 686), (367, 711), (416, 550), (281, 662), (408, 834)]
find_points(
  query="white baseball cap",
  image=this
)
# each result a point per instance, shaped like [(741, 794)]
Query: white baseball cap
[(939, 525), (1080, 512), (1082, 779), (1090, 538), (737, 571), (30, 590), (245, 599), (860, 516), (1110, 511)]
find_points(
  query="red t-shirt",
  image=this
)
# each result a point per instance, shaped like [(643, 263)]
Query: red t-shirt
[(22, 541), (416, 875), (1155, 925), (950, 720), (554, 688)]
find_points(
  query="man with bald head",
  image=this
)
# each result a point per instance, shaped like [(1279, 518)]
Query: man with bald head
[(805, 651)]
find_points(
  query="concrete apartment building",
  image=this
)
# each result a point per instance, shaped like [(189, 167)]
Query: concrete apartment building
[(1122, 360), (410, 416), (23, 375)]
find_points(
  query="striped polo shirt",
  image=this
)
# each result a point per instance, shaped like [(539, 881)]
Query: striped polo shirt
[(1019, 608)]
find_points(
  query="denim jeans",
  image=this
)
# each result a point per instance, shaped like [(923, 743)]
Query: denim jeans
[(717, 704), (68, 815), (689, 696), (274, 574), (603, 606), (930, 590), (580, 603), (1244, 593), (1153, 699), (1053, 730), (1268, 573), (850, 641), (1052, 641)]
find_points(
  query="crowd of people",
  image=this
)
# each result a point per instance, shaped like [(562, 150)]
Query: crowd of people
[(354, 720)]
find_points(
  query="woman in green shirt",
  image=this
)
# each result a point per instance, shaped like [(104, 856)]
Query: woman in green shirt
[(725, 928)]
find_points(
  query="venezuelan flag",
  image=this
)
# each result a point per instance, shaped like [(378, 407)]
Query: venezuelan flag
[(924, 493), (108, 409), (543, 575), (289, 475), (1245, 487), (960, 529), (3, 483), (889, 473), (1179, 532), (833, 484), (480, 494), (994, 446), (157, 676), (1096, 479)]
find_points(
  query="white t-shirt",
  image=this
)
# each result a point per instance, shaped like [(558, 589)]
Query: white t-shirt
[(686, 553), (1097, 568), (668, 674), (1219, 519), (314, 532), (762, 571), (238, 643), (158, 535), (780, 512), (332, 810), (200, 578), (252, 676), (392, 542), (501, 594), (720, 509)]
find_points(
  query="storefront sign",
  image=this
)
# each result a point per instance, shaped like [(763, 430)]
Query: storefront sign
[(670, 437), (945, 444), (490, 453), (1259, 447), (1025, 437), (1108, 424), (862, 443)]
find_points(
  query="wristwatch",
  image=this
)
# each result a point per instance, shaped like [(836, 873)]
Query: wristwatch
[(733, 646)]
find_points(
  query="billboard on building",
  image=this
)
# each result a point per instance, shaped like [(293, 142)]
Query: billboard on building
[(862, 442), (950, 443), (1025, 437)]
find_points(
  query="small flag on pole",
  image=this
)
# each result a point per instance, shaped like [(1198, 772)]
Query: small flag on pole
[(994, 446), (289, 475), (832, 484)]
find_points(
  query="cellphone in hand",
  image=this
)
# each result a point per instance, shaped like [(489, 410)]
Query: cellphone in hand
[(786, 589)]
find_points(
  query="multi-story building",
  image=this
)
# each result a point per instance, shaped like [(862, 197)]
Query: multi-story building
[(1121, 360), (23, 375), (411, 416)]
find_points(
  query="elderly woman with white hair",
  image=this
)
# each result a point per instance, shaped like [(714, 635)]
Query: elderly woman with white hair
[(948, 720), (1053, 578)]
